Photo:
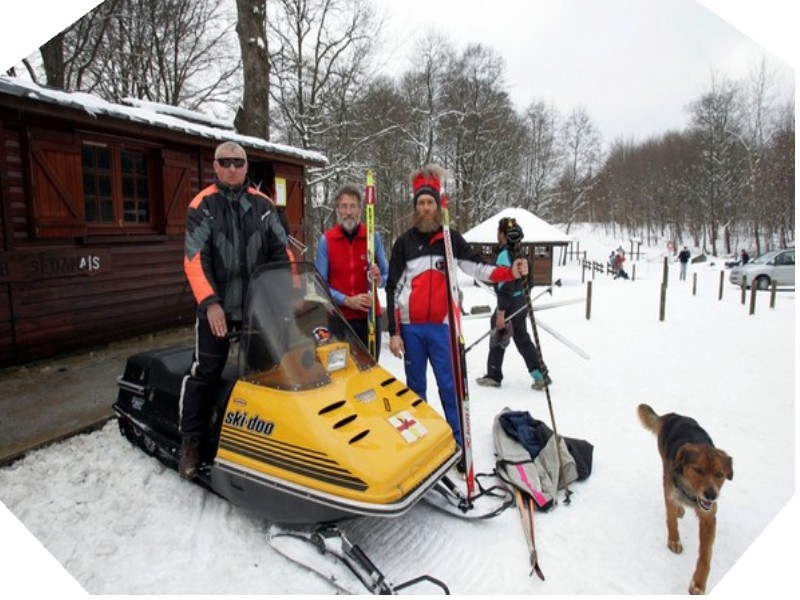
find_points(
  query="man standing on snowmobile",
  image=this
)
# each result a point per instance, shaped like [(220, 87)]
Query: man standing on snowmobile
[(231, 229), (510, 301), (342, 261), (416, 292)]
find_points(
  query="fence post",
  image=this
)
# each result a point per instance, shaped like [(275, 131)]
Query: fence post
[(663, 305), (633, 273), (588, 300), (753, 288), (721, 283), (744, 287), (772, 293), (665, 276), (694, 284)]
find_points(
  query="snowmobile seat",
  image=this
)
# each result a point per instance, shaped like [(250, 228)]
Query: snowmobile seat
[(168, 367)]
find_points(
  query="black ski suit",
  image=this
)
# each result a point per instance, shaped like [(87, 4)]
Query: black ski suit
[(510, 299)]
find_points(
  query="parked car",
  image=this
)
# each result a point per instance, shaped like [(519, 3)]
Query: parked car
[(777, 266)]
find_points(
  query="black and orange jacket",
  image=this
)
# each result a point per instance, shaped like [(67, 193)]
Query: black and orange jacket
[(229, 233), (416, 290)]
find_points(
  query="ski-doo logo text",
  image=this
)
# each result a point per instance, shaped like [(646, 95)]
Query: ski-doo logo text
[(255, 423)]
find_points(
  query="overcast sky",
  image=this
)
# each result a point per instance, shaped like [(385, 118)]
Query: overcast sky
[(634, 65)]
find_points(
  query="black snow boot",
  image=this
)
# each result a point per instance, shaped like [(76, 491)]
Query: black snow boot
[(190, 458)]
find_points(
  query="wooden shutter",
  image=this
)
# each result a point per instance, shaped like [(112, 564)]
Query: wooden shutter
[(56, 185), (177, 174)]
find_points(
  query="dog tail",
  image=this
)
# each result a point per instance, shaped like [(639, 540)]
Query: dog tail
[(649, 418)]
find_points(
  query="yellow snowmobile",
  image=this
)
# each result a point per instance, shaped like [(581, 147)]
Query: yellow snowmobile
[(305, 428)]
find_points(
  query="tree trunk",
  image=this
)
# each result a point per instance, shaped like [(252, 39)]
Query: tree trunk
[(252, 118), (53, 60)]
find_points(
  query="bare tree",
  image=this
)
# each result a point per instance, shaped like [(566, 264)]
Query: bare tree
[(320, 52), (67, 56), (480, 135), (424, 91), (540, 157), (779, 173), (580, 143), (713, 121), (319, 60), (755, 103), (252, 117), (174, 52)]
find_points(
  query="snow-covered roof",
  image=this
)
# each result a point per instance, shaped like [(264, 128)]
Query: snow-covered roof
[(151, 113), (534, 229)]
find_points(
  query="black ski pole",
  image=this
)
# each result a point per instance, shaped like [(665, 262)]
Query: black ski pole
[(514, 238), (549, 289), (543, 368)]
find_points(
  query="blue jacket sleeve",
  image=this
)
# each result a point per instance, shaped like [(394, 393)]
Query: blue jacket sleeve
[(380, 258), (321, 262)]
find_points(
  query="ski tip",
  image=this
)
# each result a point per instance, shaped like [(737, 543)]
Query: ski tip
[(370, 177)]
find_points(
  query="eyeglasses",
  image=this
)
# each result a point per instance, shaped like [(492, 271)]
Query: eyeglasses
[(231, 162)]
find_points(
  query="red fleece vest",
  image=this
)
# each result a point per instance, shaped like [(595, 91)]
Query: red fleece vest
[(347, 267)]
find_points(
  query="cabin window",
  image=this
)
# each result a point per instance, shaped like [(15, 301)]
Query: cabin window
[(116, 185)]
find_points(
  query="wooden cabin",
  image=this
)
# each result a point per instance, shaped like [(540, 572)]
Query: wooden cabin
[(93, 199), (538, 242)]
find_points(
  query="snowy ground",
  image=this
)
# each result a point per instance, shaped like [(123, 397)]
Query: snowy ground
[(119, 523)]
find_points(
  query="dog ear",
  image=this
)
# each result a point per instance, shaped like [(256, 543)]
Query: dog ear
[(728, 462), (683, 457)]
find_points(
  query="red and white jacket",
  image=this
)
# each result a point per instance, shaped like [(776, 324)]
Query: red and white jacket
[(416, 290)]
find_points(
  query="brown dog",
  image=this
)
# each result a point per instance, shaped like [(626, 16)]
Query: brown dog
[(694, 471)]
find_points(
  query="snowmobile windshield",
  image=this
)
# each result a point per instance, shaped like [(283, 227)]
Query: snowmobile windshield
[(289, 326)]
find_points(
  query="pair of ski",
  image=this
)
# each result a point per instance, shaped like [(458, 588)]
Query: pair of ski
[(459, 351)]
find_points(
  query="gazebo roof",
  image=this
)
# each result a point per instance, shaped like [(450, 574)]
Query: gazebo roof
[(535, 230)]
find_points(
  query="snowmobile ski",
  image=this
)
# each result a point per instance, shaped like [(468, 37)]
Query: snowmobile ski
[(486, 504), (328, 552)]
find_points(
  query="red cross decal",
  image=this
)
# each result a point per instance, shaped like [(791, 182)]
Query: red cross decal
[(405, 424)]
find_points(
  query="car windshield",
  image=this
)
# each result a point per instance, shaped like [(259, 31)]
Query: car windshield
[(765, 258), (289, 313)]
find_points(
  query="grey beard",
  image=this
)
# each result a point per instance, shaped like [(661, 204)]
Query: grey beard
[(349, 225)]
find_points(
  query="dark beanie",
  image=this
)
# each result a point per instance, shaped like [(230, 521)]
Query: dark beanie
[(426, 185)]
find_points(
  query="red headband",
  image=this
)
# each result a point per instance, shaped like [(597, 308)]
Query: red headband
[(426, 185)]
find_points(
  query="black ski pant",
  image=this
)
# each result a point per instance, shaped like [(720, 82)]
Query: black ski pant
[(208, 361), (361, 328), (517, 330)]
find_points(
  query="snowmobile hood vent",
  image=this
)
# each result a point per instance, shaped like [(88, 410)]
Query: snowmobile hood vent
[(331, 407)]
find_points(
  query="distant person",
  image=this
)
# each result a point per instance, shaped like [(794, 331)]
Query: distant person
[(619, 271), (510, 303), (745, 257), (684, 257), (416, 293), (231, 229), (343, 263)]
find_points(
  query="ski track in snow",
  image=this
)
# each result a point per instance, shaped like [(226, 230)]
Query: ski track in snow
[(121, 523)]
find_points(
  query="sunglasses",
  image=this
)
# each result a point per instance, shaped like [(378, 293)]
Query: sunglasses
[(231, 162)]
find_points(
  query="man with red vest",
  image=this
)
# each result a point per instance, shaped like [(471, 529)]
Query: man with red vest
[(343, 262)]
